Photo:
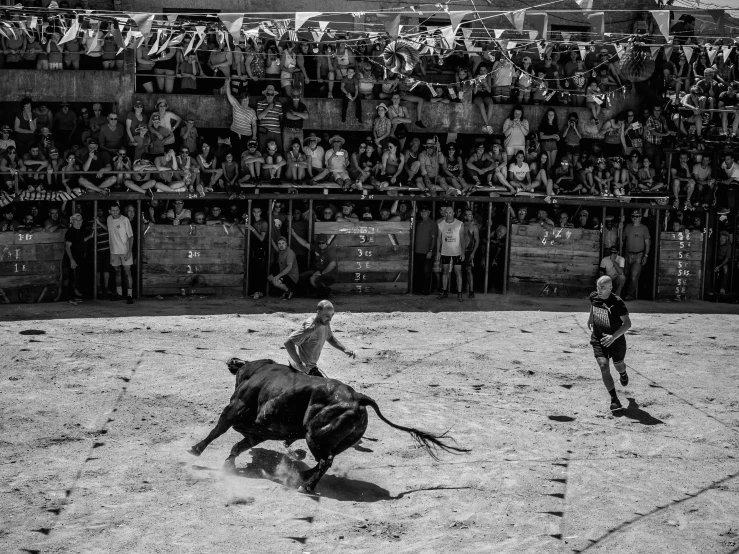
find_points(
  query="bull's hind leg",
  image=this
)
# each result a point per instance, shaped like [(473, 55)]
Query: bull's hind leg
[(228, 418), (324, 464)]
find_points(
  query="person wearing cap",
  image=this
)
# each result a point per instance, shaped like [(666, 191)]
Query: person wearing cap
[(583, 219), (315, 153), (251, 163), (284, 273), (5, 140), (294, 115), (160, 137), (325, 269), (243, 119), (430, 179), (97, 120), (691, 109), (637, 242), (269, 116), (64, 127), (168, 120), (273, 164), (336, 161), (723, 262), (133, 120), (74, 246), (53, 170)]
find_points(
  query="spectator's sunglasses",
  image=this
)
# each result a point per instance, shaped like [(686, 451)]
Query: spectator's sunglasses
[(269, 93), (635, 156), (635, 217), (84, 112)]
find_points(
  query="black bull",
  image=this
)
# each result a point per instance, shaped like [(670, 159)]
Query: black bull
[(276, 402)]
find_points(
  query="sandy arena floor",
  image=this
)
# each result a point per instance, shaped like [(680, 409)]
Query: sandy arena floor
[(100, 402)]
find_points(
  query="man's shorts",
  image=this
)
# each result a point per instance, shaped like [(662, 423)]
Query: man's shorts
[(615, 352), (451, 260), (120, 259), (467, 259)]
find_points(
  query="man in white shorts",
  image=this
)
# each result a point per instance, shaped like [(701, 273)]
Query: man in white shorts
[(121, 251), (451, 252)]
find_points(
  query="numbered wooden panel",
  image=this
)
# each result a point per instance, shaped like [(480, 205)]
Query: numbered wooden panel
[(372, 257), (559, 256), (679, 271), (194, 258), (31, 265)]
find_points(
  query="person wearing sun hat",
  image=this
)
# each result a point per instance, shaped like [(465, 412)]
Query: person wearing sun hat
[(337, 162), (5, 140), (315, 153), (167, 119)]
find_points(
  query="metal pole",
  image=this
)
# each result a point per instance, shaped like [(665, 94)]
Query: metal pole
[(715, 251), (655, 256), (602, 232), (270, 220), (290, 224), (310, 222), (412, 253), (705, 256), (733, 253), (139, 248), (621, 229), (487, 247), (507, 246), (15, 182), (95, 252), (247, 258)]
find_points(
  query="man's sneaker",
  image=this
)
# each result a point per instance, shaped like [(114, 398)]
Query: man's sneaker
[(471, 294), (420, 124), (624, 378), (129, 300), (616, 404), (443, 295), (116, 296), (287, 295), (459, 297)]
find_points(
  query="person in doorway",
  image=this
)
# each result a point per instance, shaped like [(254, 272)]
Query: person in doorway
[(121, 251), (471, 242), (450, 251), (613, 266), (637, 242), (609, 320)]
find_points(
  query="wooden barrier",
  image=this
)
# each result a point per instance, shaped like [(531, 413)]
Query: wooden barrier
[(31, 266), (680, 265), (198, 258), (373, 257), (560, 257)]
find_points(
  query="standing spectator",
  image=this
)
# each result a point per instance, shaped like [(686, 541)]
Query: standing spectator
[(704, 181), (655, 130), (549, 136), (74, 241), (471, 236), (728, 192), (259, 228), (423, 256), (294, 115), (133, 120), (65, 127), (515, 129), (25, 126), (244, 120), (299, 225), (613, 266), (269, 115), (112, 136), (381, 127), (121, 251), (723, 262), (144, 67), (350, 93), (97, 121), (450, 251), (637, 242), (610, 234)]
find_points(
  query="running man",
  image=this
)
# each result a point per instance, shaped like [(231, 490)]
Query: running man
[(305, 344), (451, 252), (609, 321)]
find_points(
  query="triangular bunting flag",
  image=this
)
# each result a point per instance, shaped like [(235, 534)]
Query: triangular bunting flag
[(164, 46), (317, 35), (129, 36), (533, 35), (668, 51), (143, 22), (540, 21), (192, 43), (322, 25), (586, 5), (498, 32), (619, 50), (456, 18), (511, 45), (232, 22), (302, 17), (583, 48), (118, 38), (662, 17), (155, 47), (172, 17), (448, 34), (726, 52), (503, 43), (712, 51), (688, 52), (392, 24), (71, 33), (466, 33), (516, 18), (597, 21), (655, 51)]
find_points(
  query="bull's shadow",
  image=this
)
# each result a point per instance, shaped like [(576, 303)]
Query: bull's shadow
[(277, 467)]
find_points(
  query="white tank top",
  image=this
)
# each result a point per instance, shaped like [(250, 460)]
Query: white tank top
[(449, 235)]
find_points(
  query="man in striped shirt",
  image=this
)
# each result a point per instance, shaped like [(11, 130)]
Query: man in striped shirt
[(269, 113), (244, 122)]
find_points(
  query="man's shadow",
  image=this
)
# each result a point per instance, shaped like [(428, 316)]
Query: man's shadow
[(633, 411)]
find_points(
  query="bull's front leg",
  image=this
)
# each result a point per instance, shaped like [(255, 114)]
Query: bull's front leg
[(319, 471), (228, 418)]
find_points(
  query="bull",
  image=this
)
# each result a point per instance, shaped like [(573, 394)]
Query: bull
[(272, 401)]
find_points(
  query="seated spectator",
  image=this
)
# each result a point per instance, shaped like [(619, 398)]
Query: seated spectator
[(230, 174), (179, 215), (35, 163), (704, 181), (169, 172), (602, 178), (430, 180), (143, 178), (584, 177), (209, 172), (647, 180), (251, 164), (121, 163), (9, 224), (563, 178), (709, 88), (55, 222), (594, 100), (315, 154), (296, 162), (691, 111), (620, 176), (325, 268), (482, 167), (519, 174), (613, 266), (727, 101), (337, 162), (284, 274), (273, 164), (350, 94), (682, 176), (453, 169), (539, 176)]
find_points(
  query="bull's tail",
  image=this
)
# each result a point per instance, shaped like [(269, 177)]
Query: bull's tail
[(430, 441)]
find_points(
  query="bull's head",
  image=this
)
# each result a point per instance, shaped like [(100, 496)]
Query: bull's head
[(235, 364)]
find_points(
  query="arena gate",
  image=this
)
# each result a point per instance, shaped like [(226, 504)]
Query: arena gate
[(31, 266), (680, 273)]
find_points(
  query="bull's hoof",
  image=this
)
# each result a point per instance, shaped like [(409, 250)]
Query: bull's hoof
[(194, 451), (307, 490), (229, 466)]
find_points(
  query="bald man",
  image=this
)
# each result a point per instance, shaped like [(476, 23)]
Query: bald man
[(304, 345), (609, 320)]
